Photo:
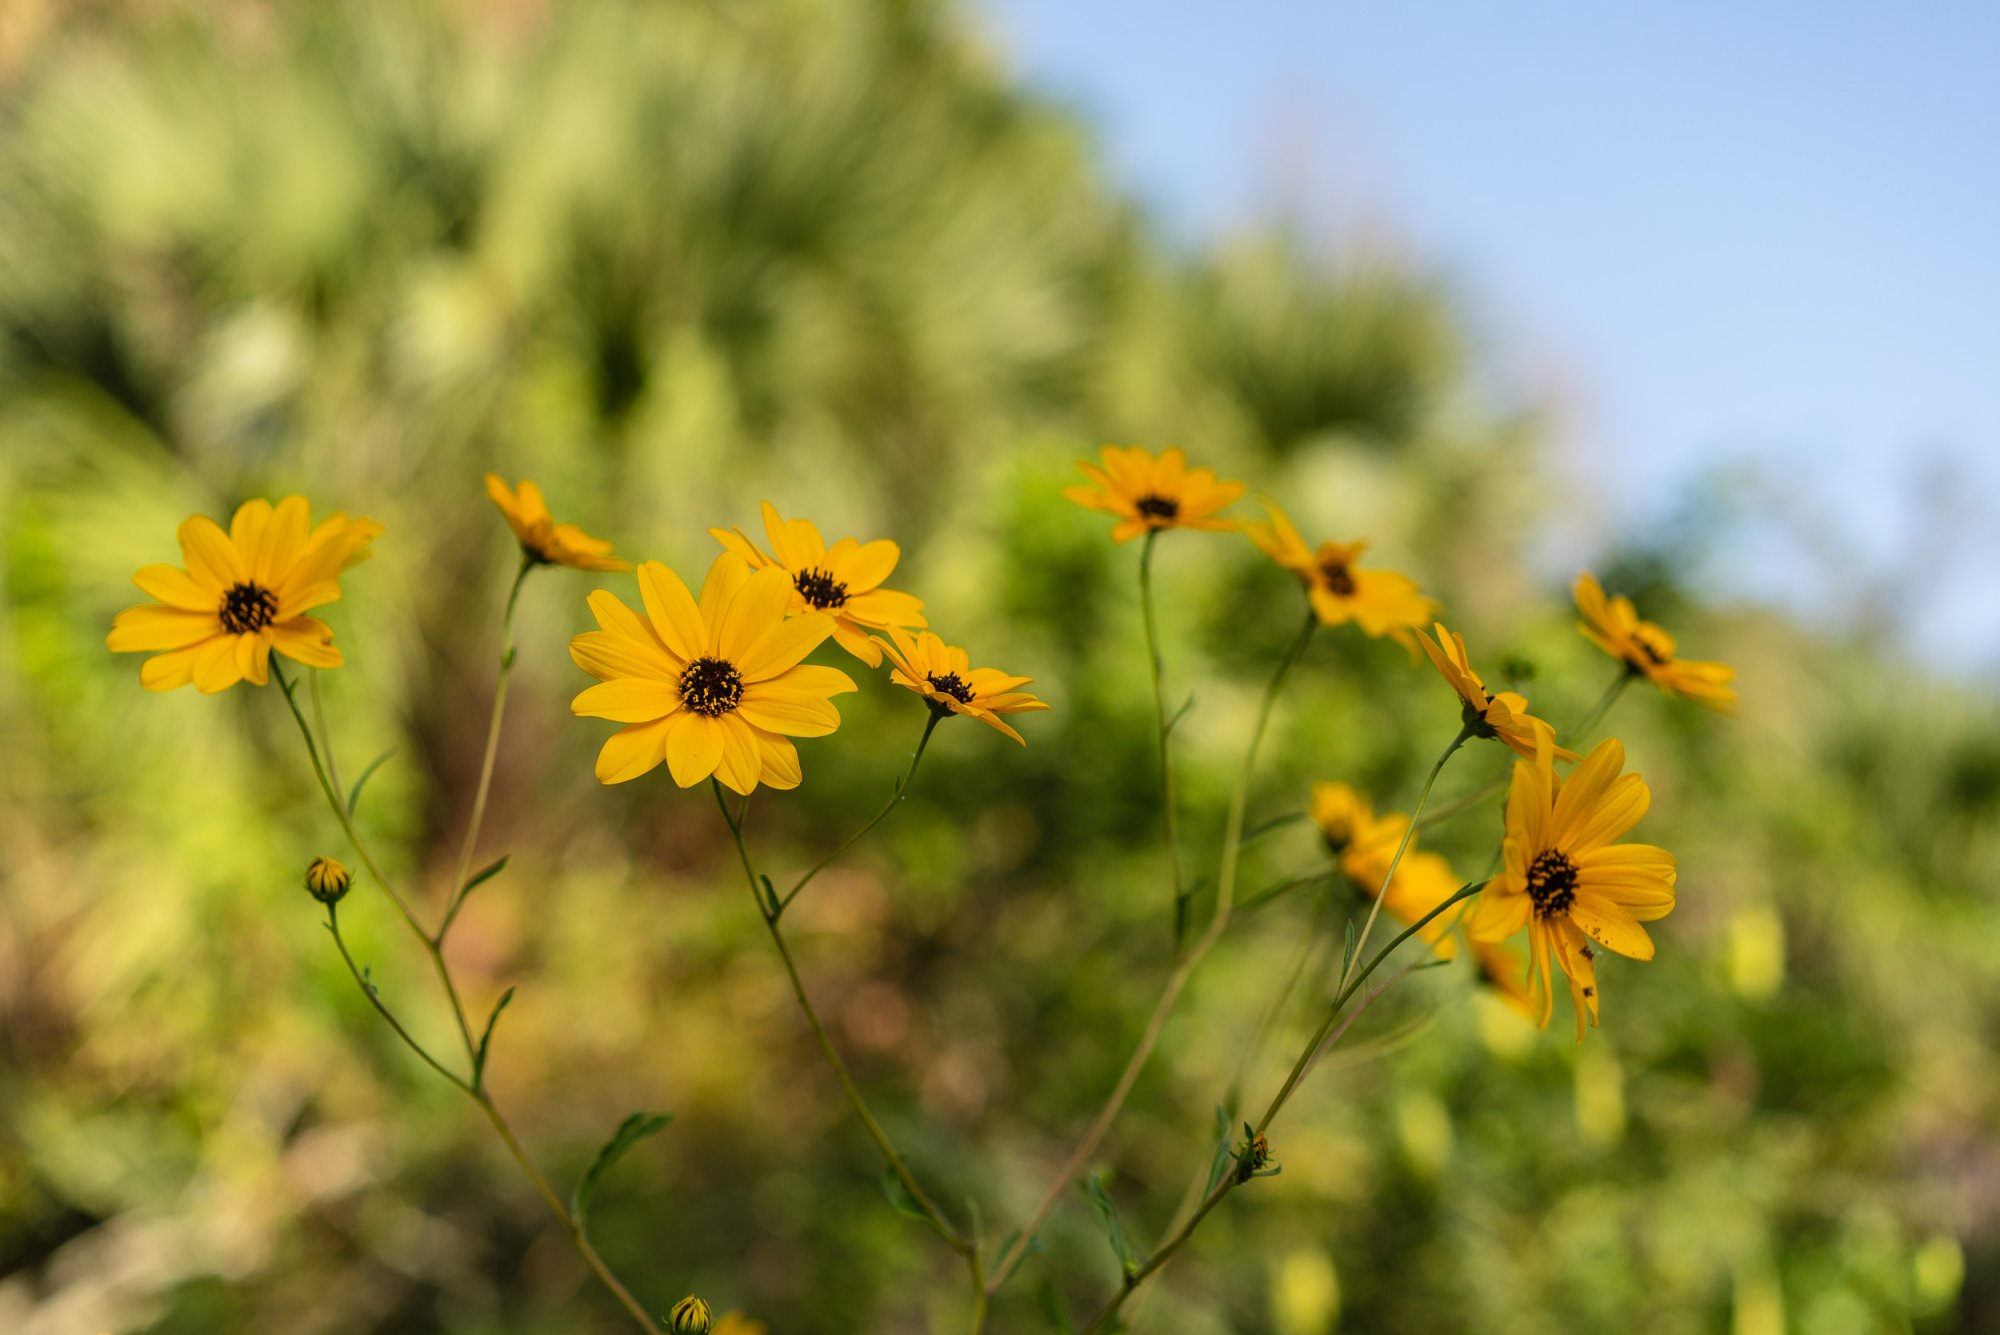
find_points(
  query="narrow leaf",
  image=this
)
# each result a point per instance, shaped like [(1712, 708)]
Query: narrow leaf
[(1347, 955), (483, 875), (1053, 1309), (1179, 714), (1107, 1215), (479, 1058), (629, 1133), (354, 793), (1219, 1163), (899, 1196)]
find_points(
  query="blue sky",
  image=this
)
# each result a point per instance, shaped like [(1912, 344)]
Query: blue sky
[(1755, 236)]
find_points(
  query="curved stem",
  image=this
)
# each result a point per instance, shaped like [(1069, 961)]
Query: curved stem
[(1156, 665), (374, 999), (895, 800), (1592, 717), (325, 737), (890, 1155), (1011, 1257), (1604, 703), (1325, 1033), (492, 750), (1409, 832)]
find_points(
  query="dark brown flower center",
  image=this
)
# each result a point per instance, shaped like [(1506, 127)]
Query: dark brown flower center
[(1552, 882), (1338, 835), (711, 686), (1157, 507), (950, 685), (247, 607), (820, 588), (1651, 646), (1339, 580)]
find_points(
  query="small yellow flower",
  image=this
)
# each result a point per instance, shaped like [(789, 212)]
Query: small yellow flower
[(1381, 602), (1566, 878), (1365, 844), (243, 593), (689, 1317), (844, 580), (542, 539), (1614, 626), (1504, 716), (327, 880), (1148, 494), (945, 677), (713, 688)]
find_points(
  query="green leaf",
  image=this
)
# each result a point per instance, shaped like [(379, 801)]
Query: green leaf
[(1053, 1309), (629, 1133), (1219, 1163), (900, 1197), (1347, 955), (354, 793), (479, 1058), (772, 908), (1107, 1215), (482, 876)]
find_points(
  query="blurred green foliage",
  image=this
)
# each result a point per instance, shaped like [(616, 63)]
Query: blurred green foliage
[(670, 259)]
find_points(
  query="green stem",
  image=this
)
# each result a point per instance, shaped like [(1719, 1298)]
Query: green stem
[(1156, 665), (368, 990), (325, 737), (1409, 833), (492, 751), (890, 1155), (895, 800), (1604, 703), (1010, 1259)]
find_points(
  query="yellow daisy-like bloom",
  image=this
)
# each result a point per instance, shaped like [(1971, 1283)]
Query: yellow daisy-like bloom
[(1381, 602), (1365, 844), (1504, 716), (1614, 626), (844, 580), (1148, 494), (711, 688), (243, 593), (542, 539), (945, 677), (1567, 879)]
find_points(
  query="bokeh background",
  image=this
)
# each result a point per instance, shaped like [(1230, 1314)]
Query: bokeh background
[(671, 259)]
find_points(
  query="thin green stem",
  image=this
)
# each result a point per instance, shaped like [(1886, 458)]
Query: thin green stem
[(325, 737), (1592, 717), (374, 998), (890, 1155), (492, 751), (1409, 832), (1604, 703), (895, 800), (1156, 665), (1011, 1257)]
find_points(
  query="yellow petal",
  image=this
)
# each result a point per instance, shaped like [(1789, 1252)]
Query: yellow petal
[(253, 657), (741, 760), (211, 558), (726, 574), (609, 657), (1610, 926), (867, 566), (215, 666), (176, 588), (671, 609), (152, 627), (170, 671), (757, 609), (694, 748), (793, 713), (627, 700), (633, 751), (779, 762), (783, 645), (283, 543), (615, 618), (885, 607), (305, 640)]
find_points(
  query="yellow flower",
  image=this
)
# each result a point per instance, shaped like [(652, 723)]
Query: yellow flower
[(1148, 494), (945, 677), (542, 539), (1381, 601), (1504, 716), (713, 688), (1567, 879), (1365, 844), (243, 593), (844, 580), (1613, 625), (327, 880), (689, 1317)]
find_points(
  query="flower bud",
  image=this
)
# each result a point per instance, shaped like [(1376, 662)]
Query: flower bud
[(327, 880), (690, 1317)]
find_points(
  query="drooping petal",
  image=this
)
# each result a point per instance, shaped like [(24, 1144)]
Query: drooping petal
[(694, 748), (857, 642), (780, 762), (1500, 913), (1610, 926), (633, 751), (306, 640)]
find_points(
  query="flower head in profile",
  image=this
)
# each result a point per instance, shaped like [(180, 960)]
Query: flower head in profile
[(1567, 879), (244, 592), (1365, 845), (1614, 625), (1150, 493), (1381, 602), (544, 541), (710, 688), (689, 1317), (945, 677), (844, 581), (1504, 716)]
